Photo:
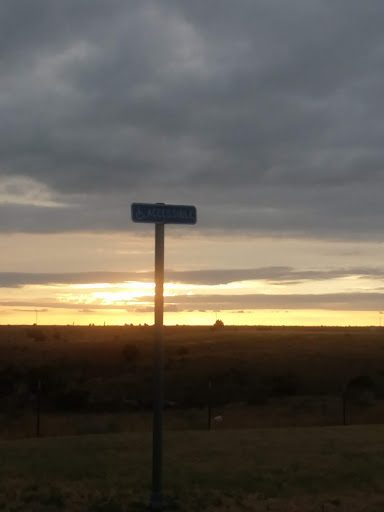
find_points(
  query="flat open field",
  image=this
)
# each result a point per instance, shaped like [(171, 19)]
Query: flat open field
[(294, 469), (99, 379)]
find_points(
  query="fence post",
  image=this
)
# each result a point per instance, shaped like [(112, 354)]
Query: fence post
[(38, 407), (344, 407), (209, 404)]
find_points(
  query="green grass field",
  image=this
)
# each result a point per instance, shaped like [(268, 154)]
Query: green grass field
[(319, 469)]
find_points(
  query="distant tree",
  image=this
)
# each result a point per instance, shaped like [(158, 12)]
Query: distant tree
[(219, 324)]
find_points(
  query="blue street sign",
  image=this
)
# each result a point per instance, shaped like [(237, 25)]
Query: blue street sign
[(161, 213)]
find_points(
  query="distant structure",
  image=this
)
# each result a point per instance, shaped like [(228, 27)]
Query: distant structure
[(219, 324)]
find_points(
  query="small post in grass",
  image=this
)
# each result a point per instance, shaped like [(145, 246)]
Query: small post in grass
[(38, 407), (209, 404), (159, 214), (344, 407)]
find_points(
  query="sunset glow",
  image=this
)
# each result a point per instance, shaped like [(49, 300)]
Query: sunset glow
[(265, 154), (267, 295)]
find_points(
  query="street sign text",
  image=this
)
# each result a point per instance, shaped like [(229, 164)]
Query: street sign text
[(163, 213)]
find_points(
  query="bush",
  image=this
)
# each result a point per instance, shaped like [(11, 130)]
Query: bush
[(361, 382), (219, 324), (195, 396), (8, 379), (57, 335), (36, 334), (182, 351), (228, 386), (258, 394), (284, 385), (74, 400), (361, 390), (50, 380), (130, 353)]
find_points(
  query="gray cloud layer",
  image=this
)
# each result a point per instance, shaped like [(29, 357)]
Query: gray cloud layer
[(331, 301), (267, 115), (274, 275)]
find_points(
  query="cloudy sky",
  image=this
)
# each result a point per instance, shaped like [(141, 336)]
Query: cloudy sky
[(266, 115)]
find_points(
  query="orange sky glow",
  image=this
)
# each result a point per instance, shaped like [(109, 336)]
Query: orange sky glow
[(265, 119), (214, 280)]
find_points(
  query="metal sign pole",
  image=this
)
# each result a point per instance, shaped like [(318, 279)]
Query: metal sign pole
[(157, 500), (160, 214)]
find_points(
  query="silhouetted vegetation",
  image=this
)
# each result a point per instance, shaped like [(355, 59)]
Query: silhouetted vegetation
[(219, 324), (109, 369), (130, 353), (36, 334)]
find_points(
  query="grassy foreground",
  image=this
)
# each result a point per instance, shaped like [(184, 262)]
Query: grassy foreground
[(296, 469)]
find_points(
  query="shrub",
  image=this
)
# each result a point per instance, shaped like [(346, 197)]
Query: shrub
[(258, 394), (8, 380), (361, 382), (238, 376), (130, 353), (361, 390), (74, 399), (219, 324), (228, 386), (50, 380), (36, 334), (57, 335), (195, 396), (182, 351), (284, 385)]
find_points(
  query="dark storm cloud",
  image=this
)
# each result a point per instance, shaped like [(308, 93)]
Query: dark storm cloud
[(267, 115), (209, 277)]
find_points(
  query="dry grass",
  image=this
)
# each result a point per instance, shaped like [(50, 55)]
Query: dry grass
[(342, 352), (321, 361), (283, 412), (298, 469), (283, 469)]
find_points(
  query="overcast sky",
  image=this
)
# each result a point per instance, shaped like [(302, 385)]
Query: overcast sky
[(267, 115)]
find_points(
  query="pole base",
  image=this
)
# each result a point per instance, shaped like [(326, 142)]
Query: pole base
[(158, 503)]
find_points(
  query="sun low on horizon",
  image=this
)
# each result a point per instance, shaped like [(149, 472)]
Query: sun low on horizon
[(247, 302), (239, 120)]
